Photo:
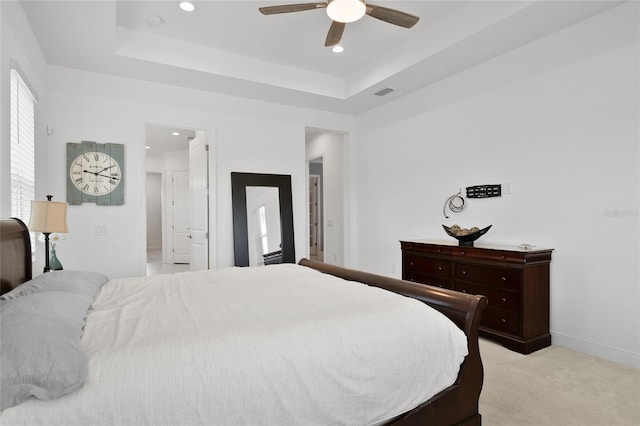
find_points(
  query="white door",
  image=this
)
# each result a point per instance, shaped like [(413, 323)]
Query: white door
[(199, 198), (180, 210)]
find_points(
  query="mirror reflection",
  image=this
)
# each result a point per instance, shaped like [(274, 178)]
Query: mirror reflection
[(263, 225), (249, 193)]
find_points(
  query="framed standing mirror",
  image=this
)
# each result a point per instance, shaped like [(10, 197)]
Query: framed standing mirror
[(262, 219)]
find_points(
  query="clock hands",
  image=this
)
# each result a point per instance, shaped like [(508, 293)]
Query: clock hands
[(110, 177), (106, 168), (98, 173)]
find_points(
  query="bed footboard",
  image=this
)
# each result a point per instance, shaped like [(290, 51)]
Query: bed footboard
[(458, 404)]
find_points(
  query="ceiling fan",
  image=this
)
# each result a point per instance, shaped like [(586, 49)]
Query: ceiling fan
[(342, 12)]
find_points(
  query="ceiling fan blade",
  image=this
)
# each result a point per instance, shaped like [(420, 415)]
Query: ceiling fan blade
[(287, 8), (335, 34), (392, 16)]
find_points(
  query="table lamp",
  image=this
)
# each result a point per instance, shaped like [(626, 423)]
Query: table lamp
[(47, 217)]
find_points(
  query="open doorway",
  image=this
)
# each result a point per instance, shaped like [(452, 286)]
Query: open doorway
[(324, 154), (167, 198)]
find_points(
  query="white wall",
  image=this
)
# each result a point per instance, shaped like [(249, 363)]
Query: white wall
[(330, 147), (18, 46), (558, 119), (96, 107)]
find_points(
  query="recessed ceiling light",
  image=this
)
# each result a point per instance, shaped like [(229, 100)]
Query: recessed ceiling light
[(187, 6), (175, 134), (337, 49), (147, 147)]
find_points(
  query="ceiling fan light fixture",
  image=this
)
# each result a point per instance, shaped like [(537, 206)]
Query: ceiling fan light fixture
[(346, 10), (337, 49), (187, 6)]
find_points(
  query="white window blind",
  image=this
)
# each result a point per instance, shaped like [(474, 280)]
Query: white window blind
[(22, 148)]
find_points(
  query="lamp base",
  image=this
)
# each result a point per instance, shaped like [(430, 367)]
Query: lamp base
[(47, 268), (54, 263)]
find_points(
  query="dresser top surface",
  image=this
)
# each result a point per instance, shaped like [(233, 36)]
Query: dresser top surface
[(476, 245)]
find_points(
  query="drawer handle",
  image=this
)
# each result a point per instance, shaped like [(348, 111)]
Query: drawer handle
[(464, 272), (411, 263), (440, 285), (439, 268), (461, 252), (464, 291), (504, 320), (504, 278), (504, 299), (411, 279)]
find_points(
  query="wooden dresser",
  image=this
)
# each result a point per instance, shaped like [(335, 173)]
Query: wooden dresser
[(514, 280)]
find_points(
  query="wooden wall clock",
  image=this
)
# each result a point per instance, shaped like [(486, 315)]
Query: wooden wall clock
[(95, 173)]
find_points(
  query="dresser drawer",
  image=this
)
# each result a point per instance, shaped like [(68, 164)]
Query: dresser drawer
[(427, 279), (498, 298), (501, 320), (428, 249), (462, 253), (426, 265), (497, 277)]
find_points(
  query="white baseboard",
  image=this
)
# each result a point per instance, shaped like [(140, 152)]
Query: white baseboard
[(611, 354)]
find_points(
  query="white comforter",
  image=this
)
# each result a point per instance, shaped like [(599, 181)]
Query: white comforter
[(278, 345)]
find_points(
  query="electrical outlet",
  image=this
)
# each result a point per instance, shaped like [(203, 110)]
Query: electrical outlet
[(101, 230)]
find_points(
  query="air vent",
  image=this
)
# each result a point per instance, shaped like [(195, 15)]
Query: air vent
[(383, 92)]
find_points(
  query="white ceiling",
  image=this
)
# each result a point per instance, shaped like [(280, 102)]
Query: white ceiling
[(161, 140), (228, 47)]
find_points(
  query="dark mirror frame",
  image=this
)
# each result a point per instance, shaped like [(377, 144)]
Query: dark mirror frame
[(239, 184)]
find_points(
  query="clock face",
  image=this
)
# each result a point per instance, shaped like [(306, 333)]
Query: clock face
[(95, 173)]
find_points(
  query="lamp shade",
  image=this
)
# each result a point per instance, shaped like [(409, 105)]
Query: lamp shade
[(346, 10), (48, 216)]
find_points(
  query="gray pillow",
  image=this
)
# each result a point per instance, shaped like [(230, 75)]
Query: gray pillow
[(41, 353), (77, 282)]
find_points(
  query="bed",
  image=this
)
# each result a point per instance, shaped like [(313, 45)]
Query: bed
[(310, 370)]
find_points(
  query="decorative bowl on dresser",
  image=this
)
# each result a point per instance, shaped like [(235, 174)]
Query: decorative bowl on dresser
[(464, 236), (514, 280)]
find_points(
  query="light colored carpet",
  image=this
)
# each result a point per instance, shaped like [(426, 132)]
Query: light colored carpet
[(556, 386)]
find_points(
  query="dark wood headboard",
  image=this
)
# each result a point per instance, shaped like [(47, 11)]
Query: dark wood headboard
[(15, 254)]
